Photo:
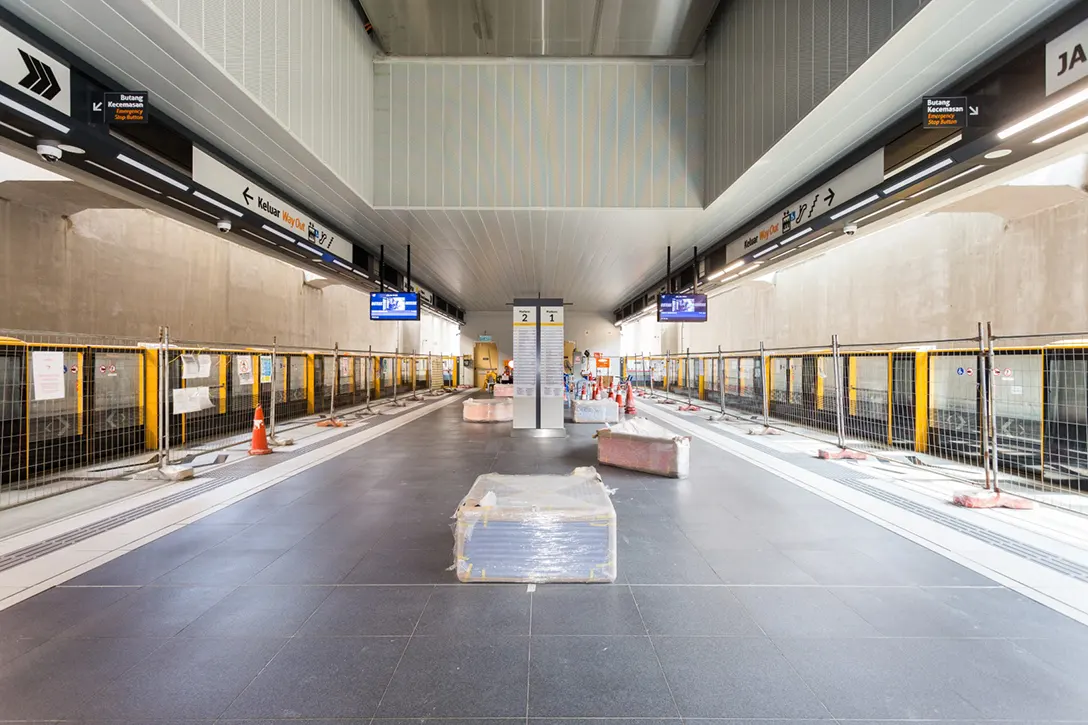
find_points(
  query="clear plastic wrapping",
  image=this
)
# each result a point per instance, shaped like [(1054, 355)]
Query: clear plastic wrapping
[(642, 445), (536, 528), (595, 411), (488, 410), (503, 390)]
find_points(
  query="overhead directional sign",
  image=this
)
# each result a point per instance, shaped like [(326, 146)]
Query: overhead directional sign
[(859, 177), (124, 107), (1066, 61), (37, 74), (951, 112), (217, 176)]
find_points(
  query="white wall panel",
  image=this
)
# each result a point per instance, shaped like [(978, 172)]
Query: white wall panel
[(308, 62), (526, 134), (770, 62)]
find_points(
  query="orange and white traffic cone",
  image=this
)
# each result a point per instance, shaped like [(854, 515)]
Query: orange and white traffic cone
[(259, 446), (630, 407)]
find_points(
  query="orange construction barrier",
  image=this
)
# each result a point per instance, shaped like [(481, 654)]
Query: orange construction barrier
[(259, 447), (630, 407)]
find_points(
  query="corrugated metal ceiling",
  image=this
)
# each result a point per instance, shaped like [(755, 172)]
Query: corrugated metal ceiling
[(482, 259), (538, 28)]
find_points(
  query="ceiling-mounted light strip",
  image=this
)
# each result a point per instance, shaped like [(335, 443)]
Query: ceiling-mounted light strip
[(815, 239), (338, 263), (258, 237), (1064, 129), (765, 250), (278, 233), (204, 197), (870, 215), (364, 275), (16, 130), (311, 250), (795, 236), (31, 113), (151, 172), (190, 206), (1048, 112), (915, 160), (119, 175), (728, 268), (949, 180), (920, 175), (854, 207)]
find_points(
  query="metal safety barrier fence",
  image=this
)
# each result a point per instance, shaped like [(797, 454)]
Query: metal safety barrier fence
[(1003, 412), (79, 409)]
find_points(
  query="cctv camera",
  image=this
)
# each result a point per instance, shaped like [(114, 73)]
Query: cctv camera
[(223, 225), (49, 152), (850, 229)]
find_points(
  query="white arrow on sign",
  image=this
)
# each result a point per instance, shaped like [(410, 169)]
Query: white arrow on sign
[(972, 110), (97, 107)]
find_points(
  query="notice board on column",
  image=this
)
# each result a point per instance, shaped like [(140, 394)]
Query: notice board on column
[(525, 359), (551, 352)]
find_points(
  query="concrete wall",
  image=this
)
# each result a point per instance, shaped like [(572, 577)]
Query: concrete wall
[(934, 277), (592, 331), (124, 272)]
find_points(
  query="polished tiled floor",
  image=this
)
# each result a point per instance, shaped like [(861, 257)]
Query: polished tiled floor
[(741, 597)]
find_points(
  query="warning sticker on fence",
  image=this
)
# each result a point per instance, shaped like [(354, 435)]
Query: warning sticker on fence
[(244, 363), (48, 368), (266, 368)]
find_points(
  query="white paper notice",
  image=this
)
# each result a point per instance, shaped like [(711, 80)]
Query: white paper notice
[(244, 363), (551, 352), (48, 368), (525, 361), (191, 400), (204, 365)]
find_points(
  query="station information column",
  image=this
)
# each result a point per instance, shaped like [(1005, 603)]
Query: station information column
[(538, 367)]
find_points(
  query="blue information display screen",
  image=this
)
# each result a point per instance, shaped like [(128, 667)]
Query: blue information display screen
[(681, 308), (394, 306)]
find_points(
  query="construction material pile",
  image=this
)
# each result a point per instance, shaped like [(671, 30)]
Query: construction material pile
[(488, 410), (595, 411), (639, 444), (536, 528)]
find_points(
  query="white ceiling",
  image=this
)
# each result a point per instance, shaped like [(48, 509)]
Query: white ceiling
[(528, 28), (594, 258)]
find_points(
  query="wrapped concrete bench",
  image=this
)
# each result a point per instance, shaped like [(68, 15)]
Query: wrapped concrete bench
[(642, 445)]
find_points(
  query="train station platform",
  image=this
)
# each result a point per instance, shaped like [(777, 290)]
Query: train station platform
[(766, 587)]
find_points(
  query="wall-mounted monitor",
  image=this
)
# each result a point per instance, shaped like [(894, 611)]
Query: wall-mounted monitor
[(681, 308), (394, 306)]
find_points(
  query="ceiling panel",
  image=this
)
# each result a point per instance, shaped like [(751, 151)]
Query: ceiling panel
[(481, 259), (528, 28)]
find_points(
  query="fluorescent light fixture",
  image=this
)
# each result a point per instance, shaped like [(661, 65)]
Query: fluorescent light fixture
[(949, 180), (795, 235), (780, 254), (31, 113), (714, 276), (256, 236), (1048, 112), (950, 141), (229, 209), (16, 130), (278, 233), (920, 175), (815, 239), (765, 250), (1064, 129), (198, 211), (364, 275), (151, 172), (854, 207), (998, 154), (870, 215), (728, 268), (311, 250), (122, 176), (338, 263)]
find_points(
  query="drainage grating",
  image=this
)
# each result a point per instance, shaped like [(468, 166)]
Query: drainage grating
[(235, 472)]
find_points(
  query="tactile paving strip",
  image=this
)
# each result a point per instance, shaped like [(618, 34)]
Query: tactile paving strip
[(232, 473)]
